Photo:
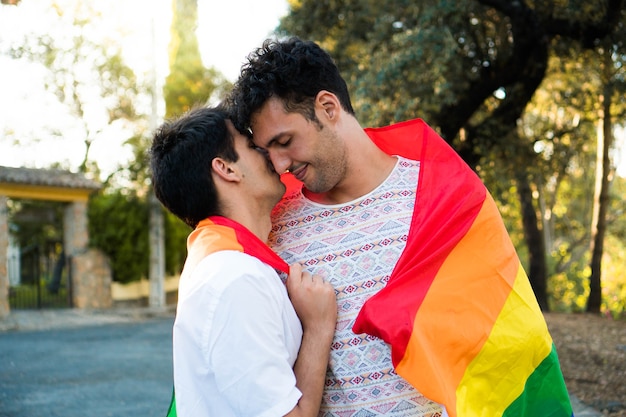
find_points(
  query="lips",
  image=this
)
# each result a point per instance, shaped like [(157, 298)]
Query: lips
[(299, 172)]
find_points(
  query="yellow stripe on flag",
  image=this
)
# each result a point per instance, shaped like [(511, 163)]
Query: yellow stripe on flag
[(459, 312), (494, 380)]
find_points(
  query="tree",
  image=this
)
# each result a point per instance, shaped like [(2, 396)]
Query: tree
[(88, 76), (445, 60), (117, 225), (552, 141), (612, 59), (189, 83)]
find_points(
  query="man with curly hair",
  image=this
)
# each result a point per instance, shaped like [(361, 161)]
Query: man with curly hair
[(435, 312)]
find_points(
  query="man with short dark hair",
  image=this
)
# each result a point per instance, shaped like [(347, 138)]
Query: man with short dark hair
[(241, 348)]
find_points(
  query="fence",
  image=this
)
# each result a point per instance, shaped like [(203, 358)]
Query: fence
[(39, 278)]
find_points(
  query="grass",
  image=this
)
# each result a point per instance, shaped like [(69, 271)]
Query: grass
[(26, 296)]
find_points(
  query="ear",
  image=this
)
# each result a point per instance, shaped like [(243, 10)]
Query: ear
[(225, 170), (328, 103)]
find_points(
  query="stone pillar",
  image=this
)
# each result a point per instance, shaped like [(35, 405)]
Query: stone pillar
[(5, 309), (90, 269), (91, 280), (75, 232)]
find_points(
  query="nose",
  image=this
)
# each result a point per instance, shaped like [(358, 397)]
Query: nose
[(280, 160)]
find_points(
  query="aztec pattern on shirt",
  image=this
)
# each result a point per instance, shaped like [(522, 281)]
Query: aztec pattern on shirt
[(355, 246)]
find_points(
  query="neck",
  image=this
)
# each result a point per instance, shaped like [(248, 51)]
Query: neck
[(260, 226), (252, 217)]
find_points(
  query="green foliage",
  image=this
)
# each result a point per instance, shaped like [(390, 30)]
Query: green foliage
[(119, 216), (189, 83), (176, 233), (470, 69), (400, 59), (568, 290), (30, 297), (118, 225), (89, 76), (613, 283), (36, 223)]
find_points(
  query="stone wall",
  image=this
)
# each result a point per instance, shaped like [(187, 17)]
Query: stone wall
[(91, 280)]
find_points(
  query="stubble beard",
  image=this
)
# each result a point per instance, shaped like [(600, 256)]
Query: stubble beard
[(330, 166)]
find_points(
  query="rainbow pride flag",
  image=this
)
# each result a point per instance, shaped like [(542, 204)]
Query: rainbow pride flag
[(220, 233), (458, 311)]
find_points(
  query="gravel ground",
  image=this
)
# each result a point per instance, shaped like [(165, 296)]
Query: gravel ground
[(592, 352)]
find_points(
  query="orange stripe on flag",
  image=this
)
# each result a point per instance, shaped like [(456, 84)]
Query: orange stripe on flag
[(467, 295), (198, 242), (527, 348)]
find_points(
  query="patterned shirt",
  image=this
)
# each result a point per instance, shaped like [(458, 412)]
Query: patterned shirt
[(355, 246)]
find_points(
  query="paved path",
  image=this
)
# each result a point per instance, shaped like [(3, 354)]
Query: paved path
[(76, 363), (72, 364)]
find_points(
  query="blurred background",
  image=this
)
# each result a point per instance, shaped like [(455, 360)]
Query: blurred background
[(532, 95)]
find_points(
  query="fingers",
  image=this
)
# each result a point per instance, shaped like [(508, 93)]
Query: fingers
[(295, 277), (300, 277), (313, 299), (295, 270)]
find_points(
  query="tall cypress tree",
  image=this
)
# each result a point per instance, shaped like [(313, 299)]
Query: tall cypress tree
[(189, 82)]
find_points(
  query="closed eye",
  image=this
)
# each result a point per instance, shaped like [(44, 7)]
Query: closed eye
[(281, 140), (284, 144)]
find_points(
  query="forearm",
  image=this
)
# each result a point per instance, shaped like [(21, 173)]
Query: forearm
[(310, 371), (316, 305)]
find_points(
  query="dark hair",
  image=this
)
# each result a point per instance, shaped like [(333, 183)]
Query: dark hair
[(180, 160), (293, 70)]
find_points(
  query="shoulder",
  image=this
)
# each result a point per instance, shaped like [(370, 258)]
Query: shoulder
[(231, 285), (233, 261), (224, 269)]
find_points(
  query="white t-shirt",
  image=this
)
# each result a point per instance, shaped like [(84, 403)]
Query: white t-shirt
[(236, 338)]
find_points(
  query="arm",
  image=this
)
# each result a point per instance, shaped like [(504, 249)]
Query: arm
[(316, 305)]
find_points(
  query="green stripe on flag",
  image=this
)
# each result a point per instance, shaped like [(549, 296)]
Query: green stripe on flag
[(544, 394), (171, 412)]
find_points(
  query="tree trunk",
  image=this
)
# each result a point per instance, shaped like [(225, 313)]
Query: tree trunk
[(600, 201), (156, 232), (534, 240)]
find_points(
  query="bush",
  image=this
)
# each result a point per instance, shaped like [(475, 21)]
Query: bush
[(118, 225)]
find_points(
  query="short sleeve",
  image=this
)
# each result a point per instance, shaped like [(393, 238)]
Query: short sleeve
[(247, 347)]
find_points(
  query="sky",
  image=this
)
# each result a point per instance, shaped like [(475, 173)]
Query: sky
[(227, 31)]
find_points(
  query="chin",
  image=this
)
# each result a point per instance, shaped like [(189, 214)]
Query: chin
[(318, 188)]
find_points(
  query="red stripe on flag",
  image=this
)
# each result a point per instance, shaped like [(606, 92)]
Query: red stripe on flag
[(448, 199)]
